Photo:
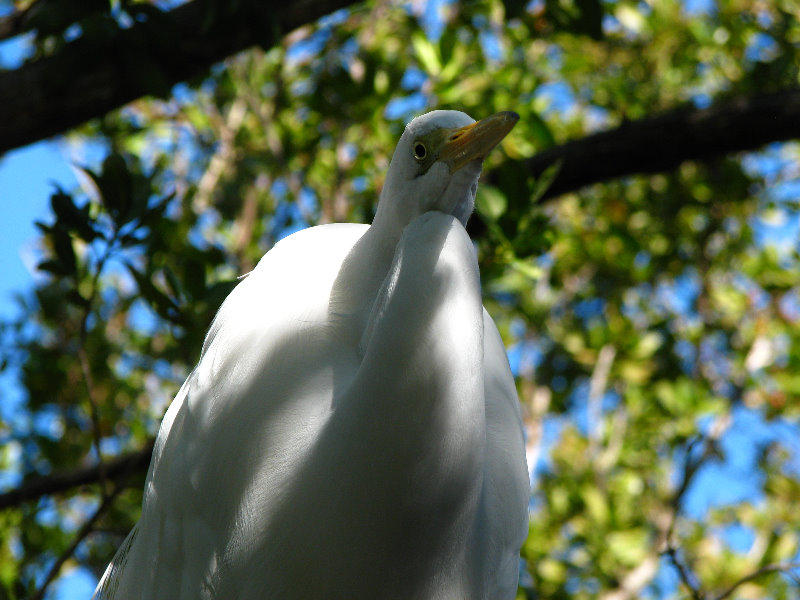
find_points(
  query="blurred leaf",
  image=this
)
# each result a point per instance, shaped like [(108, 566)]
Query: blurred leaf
[(577, 16), (165, 306), (490, 202), (542, 136), (426, 53), (630, 546), (544, 181), (65, 253), (71, 217)]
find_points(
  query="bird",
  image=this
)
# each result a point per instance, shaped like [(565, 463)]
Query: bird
[(352, 428)]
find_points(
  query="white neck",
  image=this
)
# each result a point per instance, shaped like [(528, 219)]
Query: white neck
[(362, 274)]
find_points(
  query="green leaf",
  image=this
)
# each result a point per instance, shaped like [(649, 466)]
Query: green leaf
[(490, 202), (163, 304), (71, 217), (528, 269), (630, 546), (51, 266), (544, 181), (647, 345), (194, 278), (540, 131), (552, 570), (123, 194), (596, 504), (65, 253), (426, 54), (216, 293), (447, 44)]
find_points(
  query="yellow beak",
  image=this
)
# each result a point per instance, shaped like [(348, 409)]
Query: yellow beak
[(465, 144)]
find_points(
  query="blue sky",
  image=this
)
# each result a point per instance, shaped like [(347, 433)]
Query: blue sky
[(26, 181)]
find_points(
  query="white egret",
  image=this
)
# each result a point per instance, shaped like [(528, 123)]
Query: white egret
[(352, 429)]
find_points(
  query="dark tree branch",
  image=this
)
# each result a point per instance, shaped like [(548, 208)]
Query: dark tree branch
[(53, 14), (88, 78), (116, 469), (686, 576), (663, 142), (13, 24), (691, 465), (91, 77)]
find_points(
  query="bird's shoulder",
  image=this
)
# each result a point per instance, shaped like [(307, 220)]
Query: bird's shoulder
[(291, 282), (331, 239), (308, 259)]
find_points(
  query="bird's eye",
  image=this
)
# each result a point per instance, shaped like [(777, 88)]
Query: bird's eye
[(420, 151)]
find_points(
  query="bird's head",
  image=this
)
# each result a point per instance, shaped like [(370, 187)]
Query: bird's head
[(437, 163)]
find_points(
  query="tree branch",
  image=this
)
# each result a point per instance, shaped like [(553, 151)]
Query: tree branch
[(686, 576), (663, 142), (779, 568), (691, 465), (54, 14), (113, 470), (13, 24), (633, 582), (44, 98), (91, 77), (597, 389), (84, 531)]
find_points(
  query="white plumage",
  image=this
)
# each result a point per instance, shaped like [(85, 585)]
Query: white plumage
[(352, 429)]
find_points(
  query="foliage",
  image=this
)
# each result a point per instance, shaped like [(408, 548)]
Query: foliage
[(652, 321)]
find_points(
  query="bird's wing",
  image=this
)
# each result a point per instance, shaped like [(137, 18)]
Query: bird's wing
[(241, 421), (506, 491)]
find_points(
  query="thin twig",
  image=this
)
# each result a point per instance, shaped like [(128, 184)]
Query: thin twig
[(633, 582), (223, 159), (686, 576), (597, 388), (84, 531), (777, 568), (536, 401), (691, 466), (83, 358), (794, 578)]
